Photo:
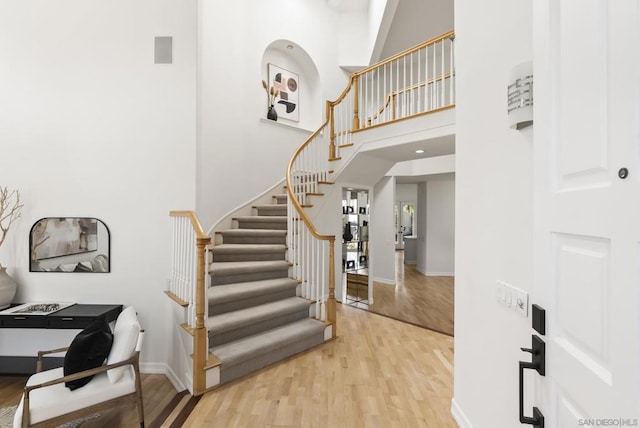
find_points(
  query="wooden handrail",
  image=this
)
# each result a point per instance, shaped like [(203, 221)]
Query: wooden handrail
[(411, 116), (292, 196), (448, 34), (344, 93), (194, 221)]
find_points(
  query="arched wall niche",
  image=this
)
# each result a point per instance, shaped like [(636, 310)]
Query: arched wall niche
[(292, 57)]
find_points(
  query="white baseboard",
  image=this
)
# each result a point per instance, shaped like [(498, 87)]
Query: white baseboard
[(459, 416), (427, 273), (439, 274), (386, 281), (153, 368), (159, 368)]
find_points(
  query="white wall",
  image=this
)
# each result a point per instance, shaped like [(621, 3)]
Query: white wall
[(354, 49), (235, 36), (493, 211), (421, 232), (89, 126), (425, 166), (381, 13), (440, 226), (381, 232), (406, 192)]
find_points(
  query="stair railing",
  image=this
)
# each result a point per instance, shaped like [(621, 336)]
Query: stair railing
[(414, 82), (188, 283), (311, 253), (417, 81)]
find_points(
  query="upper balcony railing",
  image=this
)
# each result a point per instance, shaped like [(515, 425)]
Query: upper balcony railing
[(417, 81)]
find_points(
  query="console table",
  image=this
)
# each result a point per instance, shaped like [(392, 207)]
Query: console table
[(22, 336)]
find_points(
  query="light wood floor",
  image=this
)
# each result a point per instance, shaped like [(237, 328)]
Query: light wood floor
[(426, 301), (379, 372)]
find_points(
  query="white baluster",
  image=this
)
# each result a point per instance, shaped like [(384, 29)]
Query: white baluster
[(451, 78), (442, 76), (419, 108), (411, 100)]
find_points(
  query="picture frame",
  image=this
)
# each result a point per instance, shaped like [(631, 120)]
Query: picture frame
[(69, 244), (287, 103)]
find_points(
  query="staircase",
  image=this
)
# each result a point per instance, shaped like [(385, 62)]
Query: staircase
[(255, 317), (253, 313)]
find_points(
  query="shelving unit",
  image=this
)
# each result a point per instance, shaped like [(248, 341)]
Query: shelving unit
[(355, 245)]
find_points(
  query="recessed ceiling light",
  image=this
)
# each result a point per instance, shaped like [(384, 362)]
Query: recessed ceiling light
[(419, 151), (289, 47)]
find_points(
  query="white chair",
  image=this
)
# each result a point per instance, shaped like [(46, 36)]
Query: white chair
[(47, 402)]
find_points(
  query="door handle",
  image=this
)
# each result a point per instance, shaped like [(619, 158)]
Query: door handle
[(537, 363)]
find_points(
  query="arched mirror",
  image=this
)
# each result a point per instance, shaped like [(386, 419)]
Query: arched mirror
[(69, 244)]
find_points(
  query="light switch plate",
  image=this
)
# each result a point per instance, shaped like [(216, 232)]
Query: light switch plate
[(513, 298)]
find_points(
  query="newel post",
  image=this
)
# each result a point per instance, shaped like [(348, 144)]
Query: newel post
[(332, 132), (356, 106), (200, 333), (331, 303)]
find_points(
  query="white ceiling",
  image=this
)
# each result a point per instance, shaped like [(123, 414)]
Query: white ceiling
[(420, 178), (439, 146)]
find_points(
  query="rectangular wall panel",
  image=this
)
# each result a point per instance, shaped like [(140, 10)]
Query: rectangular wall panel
[(580, 146), (580, 352), (569, 415), (582, 286)]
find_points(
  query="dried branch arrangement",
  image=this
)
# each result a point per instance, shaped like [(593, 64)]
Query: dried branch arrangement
[(272, 93), (10, 210)]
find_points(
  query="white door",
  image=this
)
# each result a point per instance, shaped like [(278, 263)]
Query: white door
[(587, 219)]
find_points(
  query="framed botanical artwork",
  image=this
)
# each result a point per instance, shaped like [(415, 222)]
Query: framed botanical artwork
[(288, 85)]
